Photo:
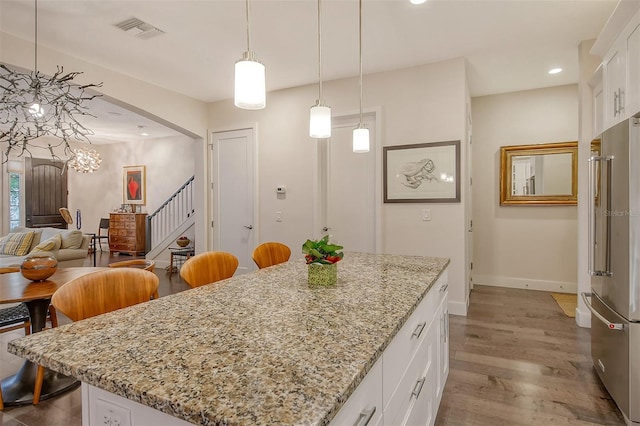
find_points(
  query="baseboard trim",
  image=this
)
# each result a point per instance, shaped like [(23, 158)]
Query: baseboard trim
[(526, 284), (458, 308), (583, 318)]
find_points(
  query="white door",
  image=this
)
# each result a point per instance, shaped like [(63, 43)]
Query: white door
[(348, 209), (233, 199)]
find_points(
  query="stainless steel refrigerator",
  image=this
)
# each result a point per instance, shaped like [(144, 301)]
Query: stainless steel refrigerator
[(614, 264)]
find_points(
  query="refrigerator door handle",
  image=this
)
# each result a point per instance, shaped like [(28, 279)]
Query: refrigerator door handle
[(595, 198), (610, 325)]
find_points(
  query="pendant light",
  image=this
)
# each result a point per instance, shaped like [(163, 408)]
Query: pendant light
[(250, 92), (320, 113), (361, 133)]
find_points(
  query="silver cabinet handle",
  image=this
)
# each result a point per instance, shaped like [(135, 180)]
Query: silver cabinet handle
[(249, 226), (610, 325), (616, 98), (444, 288), (418, 388), (418, 331), (365, 417)]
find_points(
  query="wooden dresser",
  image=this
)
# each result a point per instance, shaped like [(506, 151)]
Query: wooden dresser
[(127, 233)]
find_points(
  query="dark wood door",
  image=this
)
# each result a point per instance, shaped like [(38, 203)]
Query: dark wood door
[(45, 192)]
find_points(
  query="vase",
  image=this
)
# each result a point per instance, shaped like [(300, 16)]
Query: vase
[(39, 267), (183, 242), (323, 275)]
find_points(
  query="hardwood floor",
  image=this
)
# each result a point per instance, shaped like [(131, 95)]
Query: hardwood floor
[(516, 359)]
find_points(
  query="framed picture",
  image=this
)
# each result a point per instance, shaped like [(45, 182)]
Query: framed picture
[(422, 173), (134, 185)]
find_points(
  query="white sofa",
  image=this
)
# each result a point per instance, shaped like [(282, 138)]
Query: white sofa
[(72, 249)]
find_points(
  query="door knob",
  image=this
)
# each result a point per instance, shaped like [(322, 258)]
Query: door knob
[(325, 229), (249, 226)]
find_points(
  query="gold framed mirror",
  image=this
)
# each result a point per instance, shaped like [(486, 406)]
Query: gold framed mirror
[(545, 174)]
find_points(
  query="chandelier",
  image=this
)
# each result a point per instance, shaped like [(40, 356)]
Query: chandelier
[(84, 160), (33, 105)]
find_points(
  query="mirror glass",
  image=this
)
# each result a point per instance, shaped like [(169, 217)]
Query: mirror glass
[(539, 174)]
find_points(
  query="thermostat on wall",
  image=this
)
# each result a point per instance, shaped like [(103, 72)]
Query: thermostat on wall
[(281, 190)]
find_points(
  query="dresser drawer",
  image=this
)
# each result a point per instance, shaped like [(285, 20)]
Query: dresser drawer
[(418, 382), (122, 247), (117, 239)]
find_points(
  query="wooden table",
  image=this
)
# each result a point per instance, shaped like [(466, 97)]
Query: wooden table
[(18, 388)]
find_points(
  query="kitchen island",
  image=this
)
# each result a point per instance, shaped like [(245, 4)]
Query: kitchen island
[(259, 348)]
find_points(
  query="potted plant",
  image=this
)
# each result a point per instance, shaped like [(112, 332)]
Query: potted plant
[(322, 258)]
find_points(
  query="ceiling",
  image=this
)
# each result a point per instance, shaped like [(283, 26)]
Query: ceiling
[(509, 44)]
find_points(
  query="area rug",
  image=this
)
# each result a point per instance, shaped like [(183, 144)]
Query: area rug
[(567, 302)]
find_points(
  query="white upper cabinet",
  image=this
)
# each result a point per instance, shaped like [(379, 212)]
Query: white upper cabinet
[(614, 86), (618, 98)]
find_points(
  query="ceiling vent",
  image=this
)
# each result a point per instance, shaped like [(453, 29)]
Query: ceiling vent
[(139, 28)]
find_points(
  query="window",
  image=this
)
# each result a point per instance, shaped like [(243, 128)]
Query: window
[(14, 200)]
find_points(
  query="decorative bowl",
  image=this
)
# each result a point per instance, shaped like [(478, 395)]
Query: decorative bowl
[(39, 267), (183, 242)]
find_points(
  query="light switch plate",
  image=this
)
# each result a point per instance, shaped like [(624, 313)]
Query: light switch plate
[(426, 214)]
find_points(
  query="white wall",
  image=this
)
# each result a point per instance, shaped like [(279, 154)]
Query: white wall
[(168, 162), (181, 112), (531, 247), (419, 104), (588, 64)]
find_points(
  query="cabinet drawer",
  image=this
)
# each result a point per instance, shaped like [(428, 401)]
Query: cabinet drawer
[(419, 381), (366, 397), (122, 247), (117, 239), (404, 345)]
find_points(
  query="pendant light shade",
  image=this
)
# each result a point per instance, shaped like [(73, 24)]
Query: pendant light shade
[(320, 113), (360, 140), (250, 88), (320, 121), (360, 134)]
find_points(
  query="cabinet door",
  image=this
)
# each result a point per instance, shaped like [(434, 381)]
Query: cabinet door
[(598, 111), (424, 405), (614, 85), (364, 406), (632, 40), (443, 350)]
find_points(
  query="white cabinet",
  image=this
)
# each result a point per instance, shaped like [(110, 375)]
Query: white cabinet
[(364, 406), (443, 350), (414, 370), (614, 85), (619, 98)]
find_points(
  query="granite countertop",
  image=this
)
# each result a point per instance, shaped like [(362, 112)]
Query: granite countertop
[(259, 348)]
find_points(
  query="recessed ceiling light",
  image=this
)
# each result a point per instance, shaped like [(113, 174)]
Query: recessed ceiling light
[(417, 1), (142, 131), (555, 70)]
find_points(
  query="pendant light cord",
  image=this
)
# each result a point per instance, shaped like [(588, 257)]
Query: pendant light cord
[(360, 43), (248, 27), (35, 60), (319, 52)]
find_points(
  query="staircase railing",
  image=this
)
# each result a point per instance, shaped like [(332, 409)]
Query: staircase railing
[(170, 215)]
